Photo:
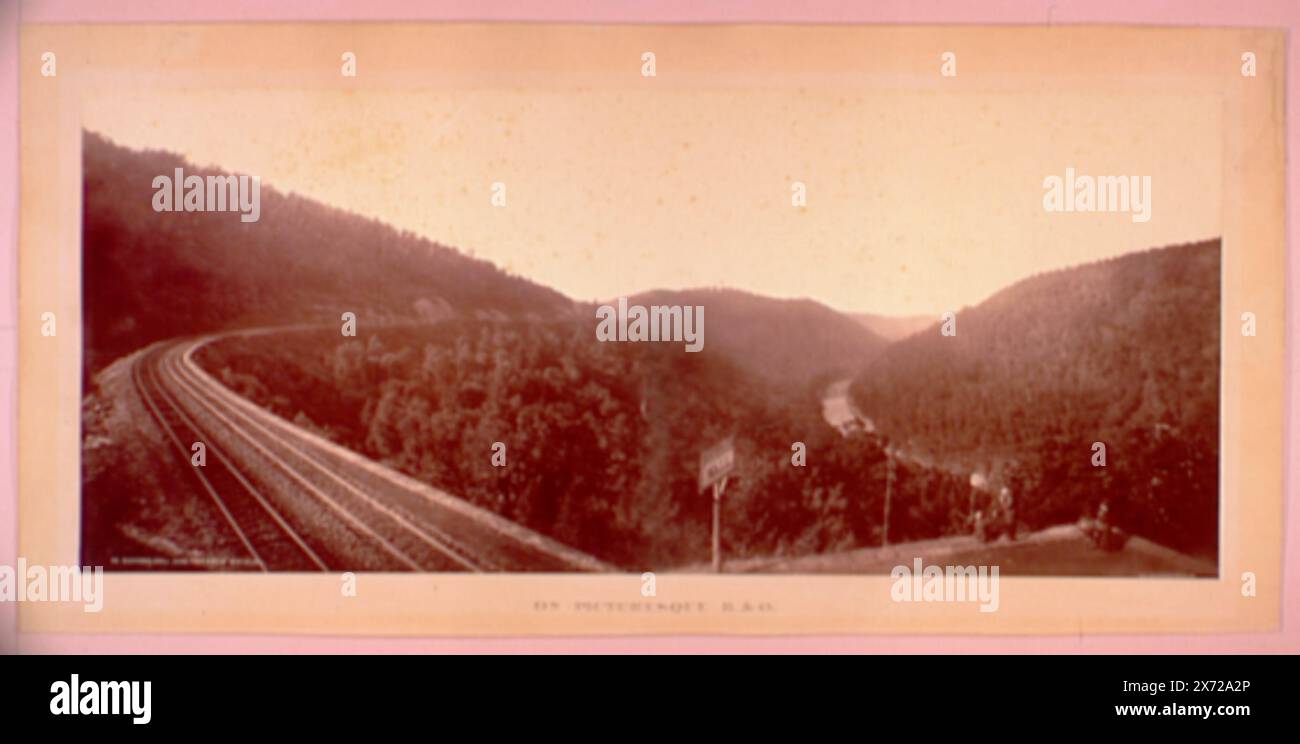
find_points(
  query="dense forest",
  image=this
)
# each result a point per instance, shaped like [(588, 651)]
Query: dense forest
[(153, 275), (602, 439), (1123, 351)]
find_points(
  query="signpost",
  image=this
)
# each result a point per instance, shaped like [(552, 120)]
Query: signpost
[(716, 463), (889, 495)]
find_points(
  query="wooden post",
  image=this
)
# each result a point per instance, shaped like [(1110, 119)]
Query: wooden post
[(889, 488), (715, 463), (718, 488)]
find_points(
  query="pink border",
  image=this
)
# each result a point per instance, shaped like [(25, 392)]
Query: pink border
[(1260, 13)]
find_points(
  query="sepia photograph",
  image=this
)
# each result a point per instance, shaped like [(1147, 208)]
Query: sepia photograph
[(959, 335), (625, 329), (499, 330)]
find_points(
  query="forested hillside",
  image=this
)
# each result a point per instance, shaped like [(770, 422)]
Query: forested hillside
[(602, 440), (1123, 352), (151, 275)]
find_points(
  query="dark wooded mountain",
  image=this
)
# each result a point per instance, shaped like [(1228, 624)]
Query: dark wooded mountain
[(1123, 351), (151, 275)]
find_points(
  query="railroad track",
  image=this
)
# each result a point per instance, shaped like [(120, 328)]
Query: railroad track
[(298, 502), (270, 541)]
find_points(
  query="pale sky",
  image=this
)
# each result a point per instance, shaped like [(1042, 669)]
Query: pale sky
[(920, 199)]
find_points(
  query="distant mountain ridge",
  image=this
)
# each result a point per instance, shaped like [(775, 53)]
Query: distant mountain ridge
[(788, 342), (893, 328)]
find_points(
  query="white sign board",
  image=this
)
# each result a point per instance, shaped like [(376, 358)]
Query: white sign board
[(717, 462)]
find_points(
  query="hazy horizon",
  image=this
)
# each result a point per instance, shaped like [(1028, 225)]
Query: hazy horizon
[(923, 194), (467, 250)]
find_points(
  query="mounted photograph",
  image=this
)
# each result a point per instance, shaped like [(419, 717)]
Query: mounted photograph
[(657, 333)]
